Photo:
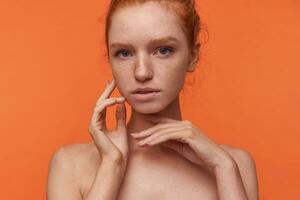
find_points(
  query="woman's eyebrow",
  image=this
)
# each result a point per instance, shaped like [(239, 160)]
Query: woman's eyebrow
[(152, 41), (164, 39)]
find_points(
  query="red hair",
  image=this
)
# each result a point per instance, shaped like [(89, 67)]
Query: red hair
[(189, 19)]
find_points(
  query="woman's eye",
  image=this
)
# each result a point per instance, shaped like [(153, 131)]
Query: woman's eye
[(121, 52), (164, 50)]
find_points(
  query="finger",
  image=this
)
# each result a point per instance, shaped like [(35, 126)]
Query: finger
[(102, 142), (158, 137), (156, 128), (158, 119), (98, 116), (108, 90), (121, 116)]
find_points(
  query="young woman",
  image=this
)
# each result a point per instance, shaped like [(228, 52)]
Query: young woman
[(157, 155)]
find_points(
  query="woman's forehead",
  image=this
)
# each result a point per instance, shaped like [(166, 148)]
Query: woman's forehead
[(144, 19)]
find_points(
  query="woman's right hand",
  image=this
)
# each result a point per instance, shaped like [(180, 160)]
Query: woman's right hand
[(112, 145)]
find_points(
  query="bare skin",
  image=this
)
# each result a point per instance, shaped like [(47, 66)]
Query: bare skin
[(167, 176), (152, 172), (114, 165)]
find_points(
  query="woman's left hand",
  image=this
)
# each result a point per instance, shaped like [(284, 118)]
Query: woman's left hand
[(184, 138)]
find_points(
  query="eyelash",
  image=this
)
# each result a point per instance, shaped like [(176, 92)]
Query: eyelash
[(163, 47)]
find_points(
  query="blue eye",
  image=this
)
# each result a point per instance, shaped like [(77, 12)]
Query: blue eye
[(164, 50), (121, 51)]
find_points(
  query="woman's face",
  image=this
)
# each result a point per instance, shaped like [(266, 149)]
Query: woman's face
[(147, 48)]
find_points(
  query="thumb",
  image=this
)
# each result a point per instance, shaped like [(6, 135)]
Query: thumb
[(121, 116)]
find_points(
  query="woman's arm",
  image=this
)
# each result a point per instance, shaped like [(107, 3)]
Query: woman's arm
[(229, 181), (236, 175), (112, 147), (107, 181), (64, 177)]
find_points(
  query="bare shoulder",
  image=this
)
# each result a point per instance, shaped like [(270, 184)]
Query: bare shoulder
[(247, 167), (78, 156), (65, 170), (73, 154), (241, 154)]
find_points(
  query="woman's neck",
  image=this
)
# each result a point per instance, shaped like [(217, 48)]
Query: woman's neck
[(137, 123)]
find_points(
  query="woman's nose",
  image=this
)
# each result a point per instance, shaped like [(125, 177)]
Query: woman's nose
[(143, 70)]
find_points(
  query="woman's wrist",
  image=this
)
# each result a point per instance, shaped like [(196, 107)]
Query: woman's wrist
[(116, 160), (224, 162), (108, 179), (117, 166)]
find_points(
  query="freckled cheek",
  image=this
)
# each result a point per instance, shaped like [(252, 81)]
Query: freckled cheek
[(122, 77), (171, 82), (176, 82), (175, 74), (119, 72)]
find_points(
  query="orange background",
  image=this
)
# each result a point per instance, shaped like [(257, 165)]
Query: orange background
[(246, 89)]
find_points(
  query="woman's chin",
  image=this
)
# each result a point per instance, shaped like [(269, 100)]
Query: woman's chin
[(146, 108)]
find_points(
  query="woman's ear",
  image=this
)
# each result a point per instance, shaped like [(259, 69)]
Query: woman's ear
[(194, 58)]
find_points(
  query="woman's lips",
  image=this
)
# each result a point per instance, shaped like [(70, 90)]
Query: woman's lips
[(145, 96)]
